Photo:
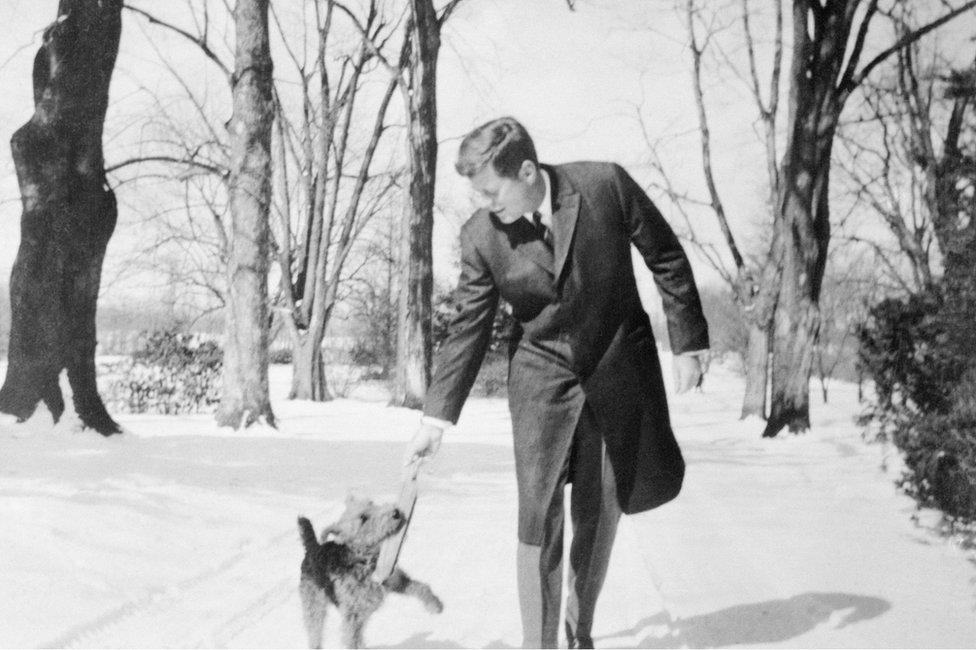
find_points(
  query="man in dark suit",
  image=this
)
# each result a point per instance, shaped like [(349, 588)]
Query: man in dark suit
[(585, 387)]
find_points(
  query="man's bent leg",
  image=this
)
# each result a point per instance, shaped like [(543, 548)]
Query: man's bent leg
[(595, 513)]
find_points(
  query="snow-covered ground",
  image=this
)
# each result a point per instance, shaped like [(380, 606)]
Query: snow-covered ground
[(181, 535)]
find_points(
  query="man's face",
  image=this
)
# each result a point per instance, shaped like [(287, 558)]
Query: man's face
[(509, 198)]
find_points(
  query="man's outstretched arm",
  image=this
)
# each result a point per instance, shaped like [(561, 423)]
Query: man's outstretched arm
[(459, 357)]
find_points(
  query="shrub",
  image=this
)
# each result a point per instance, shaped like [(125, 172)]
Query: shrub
[(280, 355), (444, 310), (492, 380), (904, 350), (169, 373), (926, 399)]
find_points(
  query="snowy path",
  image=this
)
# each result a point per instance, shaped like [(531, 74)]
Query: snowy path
[(179, 535)]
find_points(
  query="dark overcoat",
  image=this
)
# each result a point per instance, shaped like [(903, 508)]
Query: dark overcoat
[(582, 336)]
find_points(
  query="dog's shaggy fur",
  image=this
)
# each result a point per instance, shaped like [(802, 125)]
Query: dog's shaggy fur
[(339, 570)]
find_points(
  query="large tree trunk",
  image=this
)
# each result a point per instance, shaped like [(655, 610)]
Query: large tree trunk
[(69, 215), (951, 183), (308, 371), (823, 73), (414, 344), (805, 227), (802, 223), (245, 392)]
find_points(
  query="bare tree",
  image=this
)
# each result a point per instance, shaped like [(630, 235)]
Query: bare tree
[(416, 77), (245, 398), (891, 150), (313, 259), (754, 280), (828, 43), (826, 68), (414, 346), (69, 215), (325, 187)]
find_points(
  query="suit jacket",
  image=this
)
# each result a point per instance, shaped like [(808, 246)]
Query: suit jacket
[(583, 336)]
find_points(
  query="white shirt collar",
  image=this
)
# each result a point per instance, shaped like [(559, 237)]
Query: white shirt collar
[(545, 209)]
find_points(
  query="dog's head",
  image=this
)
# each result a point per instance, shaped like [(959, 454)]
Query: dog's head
[(365, 524)]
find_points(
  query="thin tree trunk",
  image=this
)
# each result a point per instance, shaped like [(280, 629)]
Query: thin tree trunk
[(755, 290), (245, 392), (309, 379), (756, 371), (69, 215), (414, 345)]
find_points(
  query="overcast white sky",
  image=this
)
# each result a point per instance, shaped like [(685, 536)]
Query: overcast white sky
[(575, 79)]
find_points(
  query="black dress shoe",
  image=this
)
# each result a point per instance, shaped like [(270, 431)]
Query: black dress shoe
[(574, 641)]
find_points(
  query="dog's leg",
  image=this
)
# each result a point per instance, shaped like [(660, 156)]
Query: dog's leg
[(313, 609), (353, 622), (400, 583), (357, 602)]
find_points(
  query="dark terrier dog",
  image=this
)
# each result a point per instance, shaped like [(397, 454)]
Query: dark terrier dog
[(339, 570)]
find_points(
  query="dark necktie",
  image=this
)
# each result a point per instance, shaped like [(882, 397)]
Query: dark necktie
[(544, 233)]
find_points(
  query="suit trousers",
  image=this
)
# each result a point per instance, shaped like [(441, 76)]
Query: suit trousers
[(594, 513)]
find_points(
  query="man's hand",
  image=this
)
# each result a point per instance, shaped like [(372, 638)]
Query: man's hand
[(424, 444), (688, 369)]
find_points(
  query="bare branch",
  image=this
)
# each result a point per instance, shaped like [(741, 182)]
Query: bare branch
[(705, 135), (907, 39), (345, 239), (369, 42), (199, 41), (452, 5), (189, 162), (884, 255), (751, 52), (862, 32)]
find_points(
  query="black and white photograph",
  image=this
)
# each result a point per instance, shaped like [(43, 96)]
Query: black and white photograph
[(488, 324)]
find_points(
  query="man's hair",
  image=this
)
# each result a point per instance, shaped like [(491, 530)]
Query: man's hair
[(503, 142)]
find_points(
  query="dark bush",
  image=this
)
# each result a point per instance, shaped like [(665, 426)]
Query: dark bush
[(501, 328), (492, 380), (280, 355), (926, 398), (904, 350), (169, 373), (374, 345)]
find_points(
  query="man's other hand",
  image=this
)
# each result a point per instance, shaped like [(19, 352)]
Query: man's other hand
[(688, 371), (424, 444)]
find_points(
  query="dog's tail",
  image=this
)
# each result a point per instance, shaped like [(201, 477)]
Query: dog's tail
[(308, 534)]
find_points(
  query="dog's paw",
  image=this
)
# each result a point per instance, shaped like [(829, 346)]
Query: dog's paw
[(433, 604)]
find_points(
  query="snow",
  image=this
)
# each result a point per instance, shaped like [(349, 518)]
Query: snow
[(179, 534)]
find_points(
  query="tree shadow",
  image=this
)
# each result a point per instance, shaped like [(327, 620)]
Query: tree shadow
[(771, 621)]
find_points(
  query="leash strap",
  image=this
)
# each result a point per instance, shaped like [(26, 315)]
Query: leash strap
[(390, 550)]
